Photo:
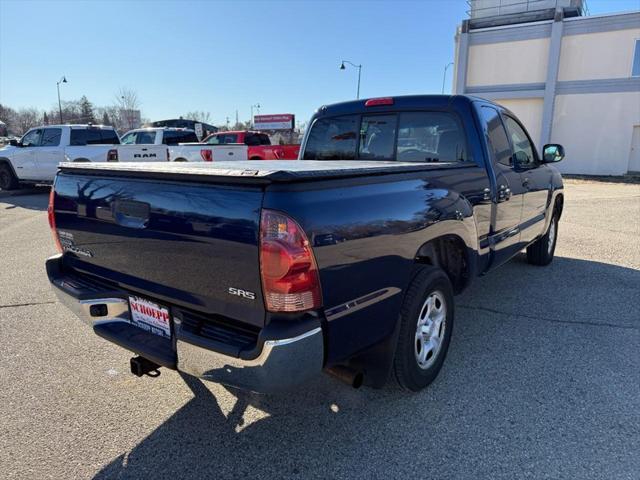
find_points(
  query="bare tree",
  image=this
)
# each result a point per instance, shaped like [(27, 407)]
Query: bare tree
[(129, 105), (27, 118), (198, 116)]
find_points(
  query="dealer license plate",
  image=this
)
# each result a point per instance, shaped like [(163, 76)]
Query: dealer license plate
[(150, 316)]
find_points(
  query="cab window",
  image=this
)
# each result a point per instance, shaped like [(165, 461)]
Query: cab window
[(129, 139), (32, 138), (430, 137), (377, 137), (51, 137), (333, 139), (497, 137), (523, 151)]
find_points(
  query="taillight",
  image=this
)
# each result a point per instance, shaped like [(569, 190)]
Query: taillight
[(290, 281), (52, 220), (112, 155), (207, 155), (373, 102)]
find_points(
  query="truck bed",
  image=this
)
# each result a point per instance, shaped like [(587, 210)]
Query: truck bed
[(258, 171)]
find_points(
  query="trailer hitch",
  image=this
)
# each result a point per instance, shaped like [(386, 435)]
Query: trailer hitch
[(141, 366)]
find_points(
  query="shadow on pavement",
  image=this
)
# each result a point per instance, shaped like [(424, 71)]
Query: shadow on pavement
[(541, 380), (34, 198)]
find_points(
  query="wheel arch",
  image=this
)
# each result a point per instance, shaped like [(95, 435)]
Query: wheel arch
[(453, 255), (7, 161), (558, 204)]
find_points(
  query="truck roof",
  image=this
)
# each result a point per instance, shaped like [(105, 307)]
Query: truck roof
[(255, 171), (76, 126), (401, 102)]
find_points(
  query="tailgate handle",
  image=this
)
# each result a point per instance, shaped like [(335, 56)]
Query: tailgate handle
[(131, 214)]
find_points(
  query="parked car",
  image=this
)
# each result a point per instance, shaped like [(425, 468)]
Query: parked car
[(35, 157), (183, 145), (262, 274), (259, 145)]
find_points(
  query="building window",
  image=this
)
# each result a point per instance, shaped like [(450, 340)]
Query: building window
[(635, 70)]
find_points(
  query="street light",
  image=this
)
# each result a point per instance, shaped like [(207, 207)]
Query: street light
[(256, 106), (359, 67), (444, 75), (62, 80)]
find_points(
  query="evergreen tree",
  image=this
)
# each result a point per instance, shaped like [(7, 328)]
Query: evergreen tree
[(105, 119), (45, 119), (86, 110)]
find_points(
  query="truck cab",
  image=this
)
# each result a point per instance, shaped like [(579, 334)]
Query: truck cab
[(35, 157), (258, 144), (183, 145)]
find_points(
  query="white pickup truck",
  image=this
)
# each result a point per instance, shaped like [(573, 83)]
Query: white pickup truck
[(35, 157), (184, 146)]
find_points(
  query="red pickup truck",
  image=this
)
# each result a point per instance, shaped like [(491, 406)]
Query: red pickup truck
[(258, 143)]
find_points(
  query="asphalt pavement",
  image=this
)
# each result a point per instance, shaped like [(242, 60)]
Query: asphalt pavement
[(542, 379)]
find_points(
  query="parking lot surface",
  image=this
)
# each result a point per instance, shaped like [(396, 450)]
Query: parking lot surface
[(542, 379)]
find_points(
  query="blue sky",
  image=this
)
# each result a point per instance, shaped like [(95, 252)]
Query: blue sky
[(221, 56)]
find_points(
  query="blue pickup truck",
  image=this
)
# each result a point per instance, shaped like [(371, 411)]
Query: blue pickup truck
[(262, 274)]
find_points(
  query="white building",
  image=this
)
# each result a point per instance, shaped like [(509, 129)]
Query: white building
[(572, 79)]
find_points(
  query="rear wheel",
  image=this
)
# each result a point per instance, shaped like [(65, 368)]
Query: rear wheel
[(180, 160), (541, 251), (8, 180), (426, 323)]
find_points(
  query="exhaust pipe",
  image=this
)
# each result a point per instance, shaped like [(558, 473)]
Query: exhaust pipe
[(141, 366), (348, 375)]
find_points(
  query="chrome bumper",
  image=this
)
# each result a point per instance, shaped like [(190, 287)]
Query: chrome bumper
[(282, 364)]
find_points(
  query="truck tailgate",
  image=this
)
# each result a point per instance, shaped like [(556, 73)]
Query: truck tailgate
[(183, 244)]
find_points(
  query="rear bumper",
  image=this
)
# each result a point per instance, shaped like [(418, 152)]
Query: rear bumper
[(286, 359)]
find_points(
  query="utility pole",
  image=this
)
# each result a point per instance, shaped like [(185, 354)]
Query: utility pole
[(444, 75), (62, 80), (227, 123), (237, 117), (257, 106), (359, 67)]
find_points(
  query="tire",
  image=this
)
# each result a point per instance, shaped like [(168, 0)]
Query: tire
[(8, 180), (180, 160), (541, 251), (426, 314)]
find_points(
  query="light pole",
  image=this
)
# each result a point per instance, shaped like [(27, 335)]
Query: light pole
[(256, 106), (359, 67), (62, 80), (444, 75)]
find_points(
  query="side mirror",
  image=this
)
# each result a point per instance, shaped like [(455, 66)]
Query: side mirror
[(14, 143), (552, 153)]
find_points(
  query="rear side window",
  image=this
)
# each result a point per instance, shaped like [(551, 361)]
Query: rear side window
[(173, 137), (93, 136), (333, 139), (251, 139), (264, 139), (51, 137), (497, 137), (377, 137), (145, 138), (109, 136), (430, 137), (223, 138)]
